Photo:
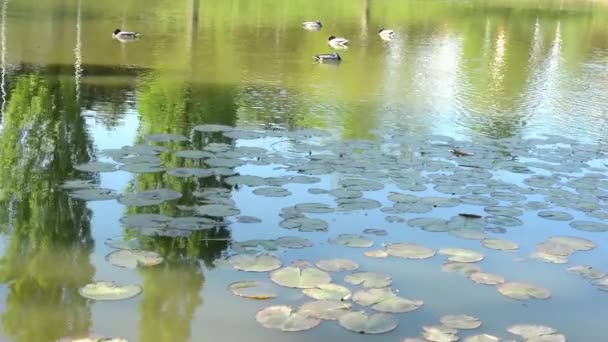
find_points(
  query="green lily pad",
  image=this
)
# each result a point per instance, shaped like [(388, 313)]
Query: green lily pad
[(251, 263), (165, 137), (501, 245), (468, 234), (107, 290), (439, 333), (402, 198), (304, 179), (508, 196), (187, 172), (191, 223), (137, 159), (546, 257), (133, 258), (337, 265), (587, 271), (602, 283), (461, 254), (384, 300), (76, 184), (460, 267), (575, 243), (211, 128), (441, 202), (298, 277), (293, 242), (375, 231), (194, 154), (555, 215), (503, 211), (369, 279), (352, 204), (362, 323), (589, 226), (325, 309), (523, 291), (146, 220), (530, 331), (505, 221), (429, 224), (328, 292), (217, 210), (314, 208), (487, 278), (377, 254), (361, 184), (96, 167), (460, 321), (95, 194), (160, 194), (414, 208), (317, 191), (482, 338), (345, 193), (248, 219), (272, 192), (478, 200), (304, 224), (142, 168), (120, 243), (134, 201), (284, 318), (229, 163), (252, 290), (352, 240), (409, 251)]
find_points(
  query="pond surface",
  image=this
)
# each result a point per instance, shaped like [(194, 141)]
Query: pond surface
[(479, 120)]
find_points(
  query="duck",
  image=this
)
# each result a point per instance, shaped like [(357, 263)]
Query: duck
[(124, 35), (328, 57), (337, 42), (386, 34), (312, 25)]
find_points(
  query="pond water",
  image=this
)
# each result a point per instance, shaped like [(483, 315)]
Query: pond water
[(479, 120)]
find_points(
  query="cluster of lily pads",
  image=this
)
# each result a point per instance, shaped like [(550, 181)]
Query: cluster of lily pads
[(560, 180)]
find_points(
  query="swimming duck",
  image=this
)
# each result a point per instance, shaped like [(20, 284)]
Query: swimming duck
[(124, 35), (337, 42), (386, 34), (328, 57), (312, 25)]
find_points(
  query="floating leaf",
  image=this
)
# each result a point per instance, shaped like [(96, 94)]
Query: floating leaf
[(506, 221), (217, 210), (468, 234), (587, 271), (272, 192), (314, 208), (304, 224), (384, 300), (439, 333), (461, 254), (369, 279), (328, 292), (142, 168), (352, 240), (352, 204), (76, 184), (95, 194), (107, 290), (252, 290), (192, 223), (160, 194), (325, 309), (502, 245), (194, 154), (575, 243), (487, 278), (283, 318), (375, 231), (146, 220), (134, 258), (361, 184), (528, 331), (523, 291), (460, 321), (555, 215), (429, 224), (134, 201), (482, 338), (293, 242), (409, 251), (362, 323), (248, 219), (460, 267), (251, 263), (121, 243), (298, 277), (186, 172), (546, 257), (590, 226), (165, 137), (503, 211), (210, 128), (378, 254), (337, 265), (602, 283), (96, 167)]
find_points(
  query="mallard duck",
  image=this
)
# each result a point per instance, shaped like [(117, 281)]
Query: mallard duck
[(328, 57), (337, 42), (312, 25), (124, 35), (386, 34)]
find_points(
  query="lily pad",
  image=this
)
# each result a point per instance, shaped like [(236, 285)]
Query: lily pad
[(192, 223), (461, 254), (217, 210), (304, 224), (439, 333), (120, 243), (546, 257), (352, 240), (293, 242), (460, 267), (337, 265), (555, 215), (252, 290), (352, 204), (362, 323), (384, 300), (575, 243), (429, 224), (378, 254), (96, 167), (523, 291), (602, 283), (314, 208), (369, 279), (300, 277), (160, 194), (284, 318), (345, 194), (460, 321), (95, 194), (325, 309), (107, 290), (409, 251), (482, 338), (165, 137), (361, 184), (248, 219), (587, 271), (590, 226), (134, 258), (505, 221), (528, 331), (211, 128), (502, 245), (146, 220), (468, 234), (487, 278), (142, 168), (251, 263), (134, 201), (375, 231), (328, 292), (186, 172), (271, 192), (194, 154), (503, 211), (76, 184)]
